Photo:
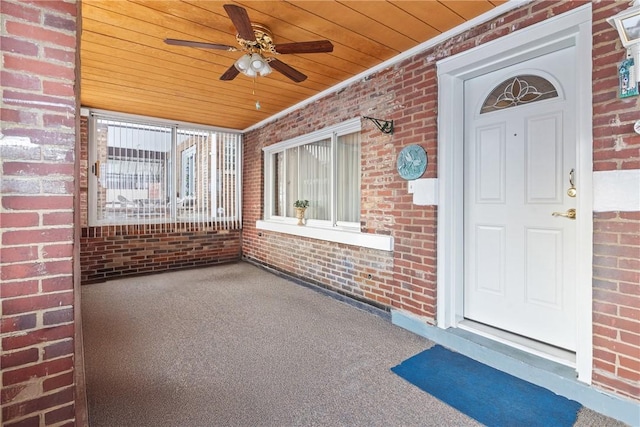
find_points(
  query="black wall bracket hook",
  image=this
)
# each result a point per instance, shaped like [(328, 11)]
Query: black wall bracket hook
[(385, 126)]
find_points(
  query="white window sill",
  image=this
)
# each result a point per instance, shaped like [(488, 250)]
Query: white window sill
[(355, 238)]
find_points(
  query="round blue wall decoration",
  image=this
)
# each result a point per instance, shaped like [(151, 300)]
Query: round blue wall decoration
[(412, 162)]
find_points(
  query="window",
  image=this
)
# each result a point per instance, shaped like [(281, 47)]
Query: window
[(150, 172), (324, 168), (517, 91)]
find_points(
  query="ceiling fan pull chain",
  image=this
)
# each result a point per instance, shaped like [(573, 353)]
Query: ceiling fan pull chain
[(254, 93)]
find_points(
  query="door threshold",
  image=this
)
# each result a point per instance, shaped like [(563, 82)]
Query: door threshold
[(537, 348)]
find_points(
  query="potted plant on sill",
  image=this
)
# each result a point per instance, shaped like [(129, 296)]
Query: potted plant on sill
[(301, 206)]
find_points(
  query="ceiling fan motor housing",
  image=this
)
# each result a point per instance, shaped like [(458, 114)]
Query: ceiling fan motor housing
[(263, 41)]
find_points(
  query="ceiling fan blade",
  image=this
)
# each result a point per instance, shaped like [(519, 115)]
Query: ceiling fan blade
[(288, 71), (318, 46), (191, 43), (230, 74), (241, 21)]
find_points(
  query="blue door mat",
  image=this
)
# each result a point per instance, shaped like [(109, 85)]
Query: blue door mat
[(488, 395)]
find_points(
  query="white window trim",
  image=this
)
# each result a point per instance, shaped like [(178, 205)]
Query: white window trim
[(344, 128), (346, 233)]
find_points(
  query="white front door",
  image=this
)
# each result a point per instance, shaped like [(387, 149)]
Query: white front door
[(519, 151)]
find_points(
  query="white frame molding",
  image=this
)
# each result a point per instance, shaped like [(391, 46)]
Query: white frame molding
[(569, 29)]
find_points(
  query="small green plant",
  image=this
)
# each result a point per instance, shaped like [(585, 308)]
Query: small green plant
[(301, 204)]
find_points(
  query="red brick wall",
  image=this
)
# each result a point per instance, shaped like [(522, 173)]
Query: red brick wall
[(112, 252), (616, 302), (406, 278), (37, 212), (616, 238), (109, 253), (363, 274)]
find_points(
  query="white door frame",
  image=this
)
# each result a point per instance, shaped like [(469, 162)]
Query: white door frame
[(569, 29)]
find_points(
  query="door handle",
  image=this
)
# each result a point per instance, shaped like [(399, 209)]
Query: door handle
[(571, 214)]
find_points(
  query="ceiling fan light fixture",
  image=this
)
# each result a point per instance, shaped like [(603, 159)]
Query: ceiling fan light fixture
[(266, 70), (257, 62), (252, 64), (243, 64)]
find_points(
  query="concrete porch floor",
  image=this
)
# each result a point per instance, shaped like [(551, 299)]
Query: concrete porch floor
[(236, 345)]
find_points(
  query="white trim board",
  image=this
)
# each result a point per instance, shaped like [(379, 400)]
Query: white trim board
[(424, 190), (354, 238), (617, 190), (87, 112), (572, 28)]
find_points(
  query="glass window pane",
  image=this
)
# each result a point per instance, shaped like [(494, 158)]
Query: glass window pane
[(348, 178), (315, 176), (278, 183), (224, 177), (133, 180), (193, 174), (292, 180)]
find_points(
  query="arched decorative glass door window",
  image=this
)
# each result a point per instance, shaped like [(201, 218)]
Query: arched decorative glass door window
[(518, 90)]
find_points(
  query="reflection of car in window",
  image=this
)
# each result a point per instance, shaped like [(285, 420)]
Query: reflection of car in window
[(126, 203), (186, 202)]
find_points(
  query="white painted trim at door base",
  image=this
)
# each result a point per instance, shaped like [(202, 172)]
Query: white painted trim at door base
[(572, 28), (553, 376)]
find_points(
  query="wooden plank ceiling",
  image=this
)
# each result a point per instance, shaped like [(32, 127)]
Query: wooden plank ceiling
[(127, 67)]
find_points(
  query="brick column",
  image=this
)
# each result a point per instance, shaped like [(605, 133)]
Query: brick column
[(37, 174)]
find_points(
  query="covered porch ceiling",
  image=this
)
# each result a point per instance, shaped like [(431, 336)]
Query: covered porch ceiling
[(127, 67)]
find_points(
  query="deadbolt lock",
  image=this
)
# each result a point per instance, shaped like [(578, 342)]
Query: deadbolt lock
[(571, 192)]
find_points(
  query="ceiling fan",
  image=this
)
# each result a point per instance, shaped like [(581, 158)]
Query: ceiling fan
[(256, 40)]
